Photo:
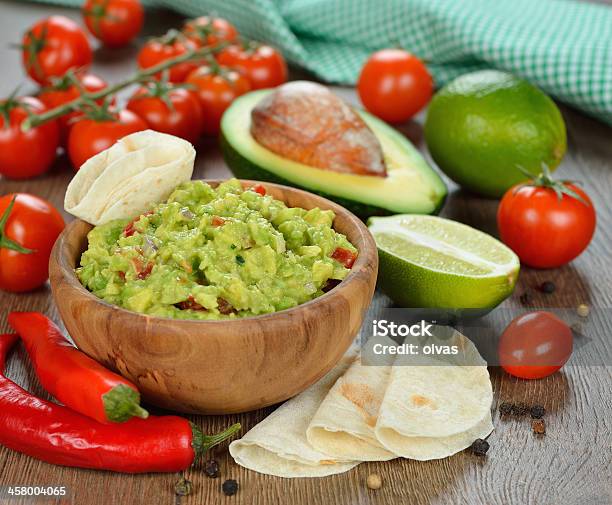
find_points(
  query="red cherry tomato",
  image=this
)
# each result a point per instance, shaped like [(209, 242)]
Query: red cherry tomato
[(52, 47), (394, 85), (535, 345), (546, 231), (64, 91), (25, 154), (216, 90), (169, 46), (262, 65), (26, 238), (115, 22), (183, 118), (207, 31), (88, 136)]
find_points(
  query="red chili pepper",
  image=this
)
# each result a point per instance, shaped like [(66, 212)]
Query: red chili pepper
[(217, 221), (71, 376), (60, 436), (129, 229), (344, 256), (258, 188)]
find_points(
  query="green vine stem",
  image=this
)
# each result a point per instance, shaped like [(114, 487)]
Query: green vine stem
[(142, 75)]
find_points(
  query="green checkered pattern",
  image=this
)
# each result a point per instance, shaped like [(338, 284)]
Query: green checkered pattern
[(564, 47)]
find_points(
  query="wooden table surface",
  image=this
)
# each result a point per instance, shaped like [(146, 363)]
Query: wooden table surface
[(572, 464)]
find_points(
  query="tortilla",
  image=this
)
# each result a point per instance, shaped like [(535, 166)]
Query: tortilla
[(278, 445), (436, 406), (427, 448), (124, 180), (343, 426), (419, 407)]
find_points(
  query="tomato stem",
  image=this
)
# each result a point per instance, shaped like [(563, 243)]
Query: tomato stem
[(142, 75), (9, 104), (161, 88), (5, 242), (34, 46), (546, 180), (97, 13)]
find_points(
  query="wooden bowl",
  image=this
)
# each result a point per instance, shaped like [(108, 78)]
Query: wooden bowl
[(220, 367)]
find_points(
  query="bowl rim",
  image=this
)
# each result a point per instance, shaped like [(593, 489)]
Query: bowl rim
[(68, 274)]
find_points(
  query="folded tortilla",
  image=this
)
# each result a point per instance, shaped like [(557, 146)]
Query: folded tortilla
[(343, 426), (421, 407), (436, 406), (126, 179), (278, 445)]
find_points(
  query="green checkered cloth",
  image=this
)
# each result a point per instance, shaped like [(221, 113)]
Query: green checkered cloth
[(564, 47)]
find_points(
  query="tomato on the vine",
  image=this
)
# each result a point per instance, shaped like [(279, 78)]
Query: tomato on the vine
[(547, 223), (168, 109), (262, 65), (114, 22), (29, 226), (171, 45), (216, 88), (91, 135), (30, 153), (64, 90), (208, 31), (535, 345), (52, 47), (394, 85)]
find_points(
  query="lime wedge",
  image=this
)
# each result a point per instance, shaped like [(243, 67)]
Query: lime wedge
[(428, 261)]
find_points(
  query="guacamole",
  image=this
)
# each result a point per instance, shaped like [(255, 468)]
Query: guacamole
[(215, 254)]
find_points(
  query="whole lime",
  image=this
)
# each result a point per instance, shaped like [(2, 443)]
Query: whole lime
[(484, 127)]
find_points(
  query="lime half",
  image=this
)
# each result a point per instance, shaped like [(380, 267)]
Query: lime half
[(428, 261)]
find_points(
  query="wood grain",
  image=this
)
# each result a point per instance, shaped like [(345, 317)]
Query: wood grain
[(226, 366), (571, 465)]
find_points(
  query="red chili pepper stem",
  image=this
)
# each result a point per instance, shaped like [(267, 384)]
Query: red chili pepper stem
[(202, 443), (121, 403)]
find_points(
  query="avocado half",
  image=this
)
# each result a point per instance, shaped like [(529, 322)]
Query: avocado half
[(411, 186)]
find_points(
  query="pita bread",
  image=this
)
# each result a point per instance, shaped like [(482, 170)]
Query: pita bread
[(124, 180), (278, 445)]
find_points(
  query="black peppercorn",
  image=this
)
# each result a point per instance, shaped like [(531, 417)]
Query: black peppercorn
[(537, 412), (520, 409), (505, 409), (479, 447), (548, 287), (526, 298), (538, 426), (211, 468), (230, 487), (183, 487)]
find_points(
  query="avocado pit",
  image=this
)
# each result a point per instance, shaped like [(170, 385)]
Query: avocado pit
[(305, 122)]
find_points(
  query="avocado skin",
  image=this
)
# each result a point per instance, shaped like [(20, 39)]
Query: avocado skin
[(243, 168)]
